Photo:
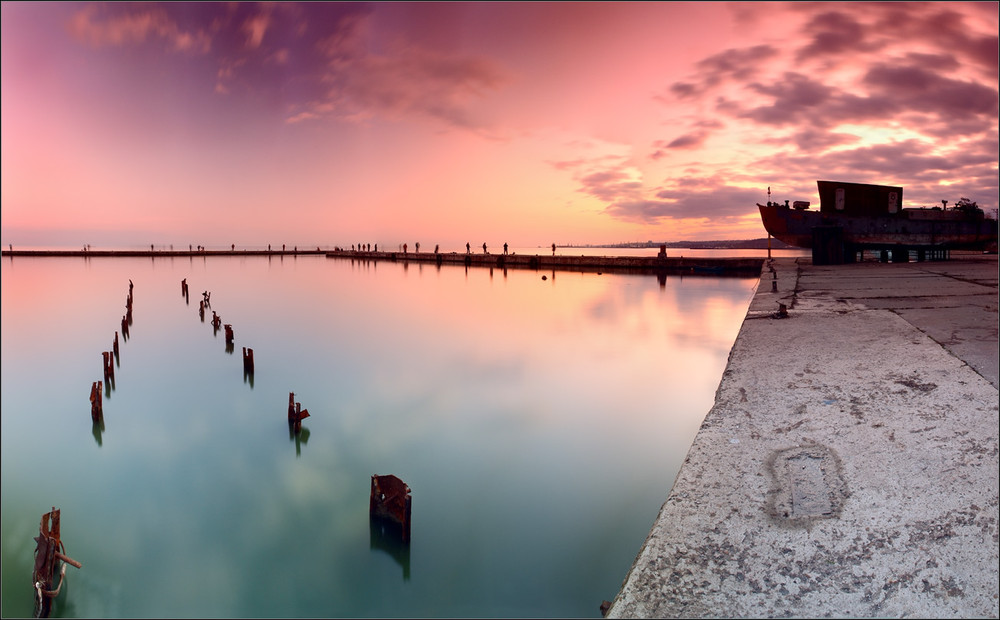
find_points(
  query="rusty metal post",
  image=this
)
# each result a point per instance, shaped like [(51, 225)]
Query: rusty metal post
[(115, 348), (390, 499), (49, 560), (109, 366), (229, 334), (96, 402), (247, 361)]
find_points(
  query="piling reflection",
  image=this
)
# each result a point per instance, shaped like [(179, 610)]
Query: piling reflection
[(300, 438), (386, 535), (98, 430)]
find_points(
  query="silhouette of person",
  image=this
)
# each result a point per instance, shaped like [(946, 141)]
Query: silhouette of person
[(553, 249), (468, 249), (505, 248), (484, 248)]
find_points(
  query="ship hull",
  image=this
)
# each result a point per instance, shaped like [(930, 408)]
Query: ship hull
[(912, 228)]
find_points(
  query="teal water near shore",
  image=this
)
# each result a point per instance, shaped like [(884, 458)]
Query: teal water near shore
[(539, 424)]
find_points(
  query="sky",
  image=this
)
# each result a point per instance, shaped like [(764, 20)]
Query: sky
[(330, 124)]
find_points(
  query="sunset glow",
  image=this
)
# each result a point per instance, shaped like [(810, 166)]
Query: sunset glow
[(322, 124)]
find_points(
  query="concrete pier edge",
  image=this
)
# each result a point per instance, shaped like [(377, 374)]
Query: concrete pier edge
[(848, 467)]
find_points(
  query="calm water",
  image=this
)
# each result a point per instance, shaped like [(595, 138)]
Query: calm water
[(539, 424)]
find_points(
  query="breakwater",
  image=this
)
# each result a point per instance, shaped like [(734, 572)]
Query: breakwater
[(600, 264)]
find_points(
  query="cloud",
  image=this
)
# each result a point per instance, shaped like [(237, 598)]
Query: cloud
[(110, 25), (310, 61), (686, 141), (738, 65), (834, 34), (611, 185), (688, 199), (411, 81), (926, 91)]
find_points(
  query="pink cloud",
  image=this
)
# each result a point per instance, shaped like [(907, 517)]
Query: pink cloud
[(99, 28)]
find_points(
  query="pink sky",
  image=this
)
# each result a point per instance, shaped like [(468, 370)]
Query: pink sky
[(528, 123)]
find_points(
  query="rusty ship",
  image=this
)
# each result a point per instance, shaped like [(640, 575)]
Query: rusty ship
[(858, 216)]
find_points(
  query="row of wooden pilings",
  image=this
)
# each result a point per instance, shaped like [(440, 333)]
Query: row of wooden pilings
[(110, 360), (203, 305), (389, 502)]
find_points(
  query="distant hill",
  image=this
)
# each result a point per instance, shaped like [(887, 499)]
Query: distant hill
[(729, 244)]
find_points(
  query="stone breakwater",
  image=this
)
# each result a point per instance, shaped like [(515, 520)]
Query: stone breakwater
[(559, 262)]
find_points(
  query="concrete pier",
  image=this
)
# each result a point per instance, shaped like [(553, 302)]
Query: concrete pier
[(849, 466)]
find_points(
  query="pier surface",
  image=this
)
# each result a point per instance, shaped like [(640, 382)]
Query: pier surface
[(849, 465)]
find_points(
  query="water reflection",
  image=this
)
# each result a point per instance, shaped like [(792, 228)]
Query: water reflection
[(300, 438), (488, 393), (386, 535)]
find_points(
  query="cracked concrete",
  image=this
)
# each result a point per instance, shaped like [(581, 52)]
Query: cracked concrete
[(849, 466)]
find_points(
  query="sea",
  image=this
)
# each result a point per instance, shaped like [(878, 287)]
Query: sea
[(539, 419)]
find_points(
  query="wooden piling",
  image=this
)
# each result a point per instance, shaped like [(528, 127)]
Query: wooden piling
[(229, 334), (390, 499), (109, 365), (295, 414), (50, 558), (96, 402), (247, 361), (115, 348)]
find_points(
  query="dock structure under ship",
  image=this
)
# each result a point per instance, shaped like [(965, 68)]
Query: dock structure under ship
[(854, 217)]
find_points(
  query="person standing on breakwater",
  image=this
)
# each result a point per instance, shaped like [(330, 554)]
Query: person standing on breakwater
[(484, 248), (468, 248), (505, 249), (553, 249)]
